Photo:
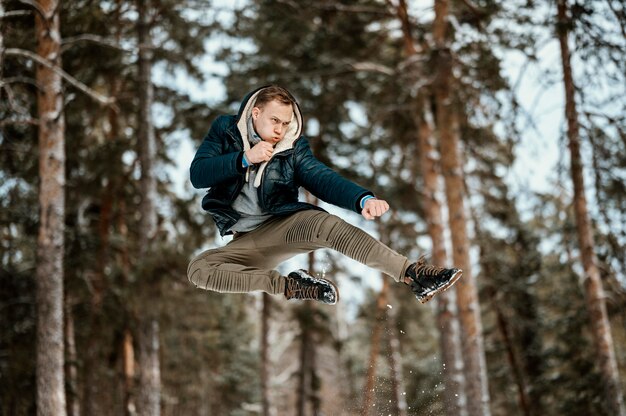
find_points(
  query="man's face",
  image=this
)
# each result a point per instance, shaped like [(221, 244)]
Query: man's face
[(271, 121)]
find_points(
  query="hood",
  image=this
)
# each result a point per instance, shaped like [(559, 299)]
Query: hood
[(293, 131)]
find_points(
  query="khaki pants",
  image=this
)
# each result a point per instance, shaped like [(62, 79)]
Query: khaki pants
[(246, 263)]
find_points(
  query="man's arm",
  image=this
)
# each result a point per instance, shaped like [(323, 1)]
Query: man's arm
[(325, 183), (211, 166)]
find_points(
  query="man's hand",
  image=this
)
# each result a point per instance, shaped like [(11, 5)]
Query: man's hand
[(260, 152), (374, 208)]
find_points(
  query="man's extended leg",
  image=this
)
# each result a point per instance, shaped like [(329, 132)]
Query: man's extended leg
[(310, 230)]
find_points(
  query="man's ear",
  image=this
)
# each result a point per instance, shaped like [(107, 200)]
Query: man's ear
[(255, 112)]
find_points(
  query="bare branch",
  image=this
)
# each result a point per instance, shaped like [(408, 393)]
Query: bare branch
[(18, 80), (371, 67), (30, 121), (15, 13), (107, 101), (100, 40), (11, 99)]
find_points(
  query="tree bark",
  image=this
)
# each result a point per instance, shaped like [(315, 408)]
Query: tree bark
[(128, 363), (518, 374), (395, 364), (304, 373), (265, 316), (51, 398), (314, 398), (150, 375), (475, 368), (2, 19), (145, 131), (71, 363), (447, 319), (128, 349), (370, 378), (593, 285)]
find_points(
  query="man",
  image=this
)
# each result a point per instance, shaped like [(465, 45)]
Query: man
[(253, 164)]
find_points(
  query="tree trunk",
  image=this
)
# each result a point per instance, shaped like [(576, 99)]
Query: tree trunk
[(50, 243), (128, 363), (265, 316), (475, 368), (71, 364), (370, 378), (150, 382), (128, 349), (593, 285), (518, 374), (314, 398), (150, 373), (2, 20), (395, 364), (304, 383), (447, 319), (145, 132)]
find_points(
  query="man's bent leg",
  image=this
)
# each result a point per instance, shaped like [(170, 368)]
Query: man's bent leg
[(234, 268)]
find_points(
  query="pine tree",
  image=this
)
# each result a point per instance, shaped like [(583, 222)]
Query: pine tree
[(593, 284), (51, 398), (467, 294)]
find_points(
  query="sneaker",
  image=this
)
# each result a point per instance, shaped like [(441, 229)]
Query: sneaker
[(428, 280), (304, 286)]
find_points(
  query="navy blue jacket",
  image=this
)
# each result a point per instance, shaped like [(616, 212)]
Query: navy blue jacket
[(217, 166)]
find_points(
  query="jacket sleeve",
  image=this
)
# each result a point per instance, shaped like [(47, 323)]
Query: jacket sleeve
[(325, 183), (211, 166)]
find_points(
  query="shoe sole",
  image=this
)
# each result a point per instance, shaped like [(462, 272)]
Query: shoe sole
[(451, 282), (336, 292)]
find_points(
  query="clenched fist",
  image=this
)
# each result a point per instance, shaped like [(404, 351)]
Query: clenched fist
[(374, 208), (260, 152)]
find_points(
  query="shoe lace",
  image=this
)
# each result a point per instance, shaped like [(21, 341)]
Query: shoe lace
[(425, 269), (296, 291)]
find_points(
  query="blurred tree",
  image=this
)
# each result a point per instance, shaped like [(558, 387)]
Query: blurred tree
[(594, 290), (475, 369)]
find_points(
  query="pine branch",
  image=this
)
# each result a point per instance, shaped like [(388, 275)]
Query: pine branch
[(100, 40), (107, 101)]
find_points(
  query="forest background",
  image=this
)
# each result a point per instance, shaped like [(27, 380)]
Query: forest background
[(496, 130)]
